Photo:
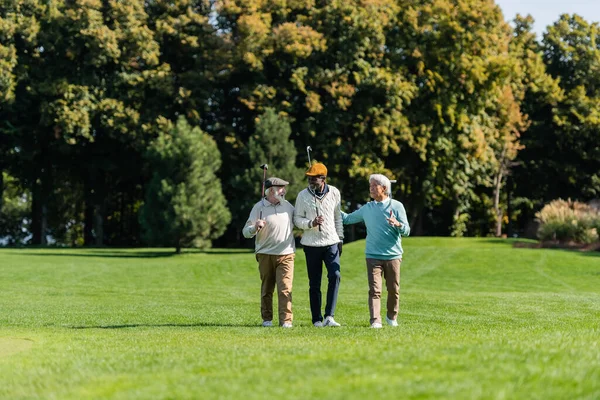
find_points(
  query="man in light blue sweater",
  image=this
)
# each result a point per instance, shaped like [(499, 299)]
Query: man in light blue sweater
[(386, 223)]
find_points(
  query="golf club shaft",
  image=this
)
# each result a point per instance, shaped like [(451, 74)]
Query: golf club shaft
[(264, 168)]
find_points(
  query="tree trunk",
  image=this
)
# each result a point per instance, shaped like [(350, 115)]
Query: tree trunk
[(508, 206), (1, 189), (39, 222), (99, 211), (497, 209), (88, 214), (41, 189)]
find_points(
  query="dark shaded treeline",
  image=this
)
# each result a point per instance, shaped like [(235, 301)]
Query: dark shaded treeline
[(479, 122)]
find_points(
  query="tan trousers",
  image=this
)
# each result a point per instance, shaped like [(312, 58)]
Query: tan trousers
[(390, 270), (276, 270)]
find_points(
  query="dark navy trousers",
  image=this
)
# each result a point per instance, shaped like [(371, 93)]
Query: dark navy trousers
[(315, 257)]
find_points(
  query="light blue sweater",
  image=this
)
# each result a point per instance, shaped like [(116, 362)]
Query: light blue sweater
[(384, 242)]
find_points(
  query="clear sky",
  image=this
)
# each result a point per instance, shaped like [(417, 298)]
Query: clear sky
[(546, 12)]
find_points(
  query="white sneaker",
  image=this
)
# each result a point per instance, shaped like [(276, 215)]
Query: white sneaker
[(376, 325), (329, 321), (286, 325), (267, 324), (318, 324), (391, 322)]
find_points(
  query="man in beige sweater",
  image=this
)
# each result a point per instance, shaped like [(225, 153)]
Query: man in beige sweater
[(318, 214), (271, 223)]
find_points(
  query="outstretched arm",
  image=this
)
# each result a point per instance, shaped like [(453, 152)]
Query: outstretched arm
[(354, 217)]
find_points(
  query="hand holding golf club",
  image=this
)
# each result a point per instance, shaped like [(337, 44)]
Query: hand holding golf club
[(259, 224), (392, 220), (318, 221)]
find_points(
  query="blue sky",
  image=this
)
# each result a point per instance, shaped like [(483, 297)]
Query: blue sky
[(546, 12)]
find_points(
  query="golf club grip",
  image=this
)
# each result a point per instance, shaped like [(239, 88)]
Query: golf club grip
[(317, 210)]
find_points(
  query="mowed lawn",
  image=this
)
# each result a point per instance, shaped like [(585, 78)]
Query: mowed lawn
[(479, 319)]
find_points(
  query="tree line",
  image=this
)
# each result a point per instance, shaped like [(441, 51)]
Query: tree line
[(128, 123)]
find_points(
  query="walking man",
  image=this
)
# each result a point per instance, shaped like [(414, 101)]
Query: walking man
[(318, 214), (386, 223), (271, 223)]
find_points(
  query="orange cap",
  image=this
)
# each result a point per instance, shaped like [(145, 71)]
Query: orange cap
[(317, 169)]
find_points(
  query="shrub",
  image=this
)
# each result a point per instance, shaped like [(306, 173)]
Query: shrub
[(568, 221)]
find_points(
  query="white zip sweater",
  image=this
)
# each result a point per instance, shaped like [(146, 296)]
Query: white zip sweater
[(332, 229), (277, 236)]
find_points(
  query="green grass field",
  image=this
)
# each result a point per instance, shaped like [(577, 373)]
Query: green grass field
[(478, 320)]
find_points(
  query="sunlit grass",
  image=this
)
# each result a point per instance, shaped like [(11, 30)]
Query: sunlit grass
[(478, 319)]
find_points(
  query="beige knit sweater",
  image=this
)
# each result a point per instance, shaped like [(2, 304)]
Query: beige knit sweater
[(277, 236), (307, 206)]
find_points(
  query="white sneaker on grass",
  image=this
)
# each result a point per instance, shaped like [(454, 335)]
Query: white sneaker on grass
[(286, 325), (329, 321), (391, 322), (267, 324), (376, 325), (318, 324)]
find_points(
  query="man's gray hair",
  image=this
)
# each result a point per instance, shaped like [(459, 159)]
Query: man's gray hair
[(383, 181)]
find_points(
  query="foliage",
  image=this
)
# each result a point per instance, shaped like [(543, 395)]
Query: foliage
[(565, 118), (15, 204), (270, 144), (566, 221), (184, 204), (441, 95)]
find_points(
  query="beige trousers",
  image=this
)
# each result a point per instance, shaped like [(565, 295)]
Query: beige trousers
[(390, 270), (278, 270)]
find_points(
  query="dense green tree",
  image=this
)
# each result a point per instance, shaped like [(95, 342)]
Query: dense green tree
[(538, 94), (184, 204), (15, 210), (21, 24), (324, 64), (270, 144), (458, 55), (561, 158)]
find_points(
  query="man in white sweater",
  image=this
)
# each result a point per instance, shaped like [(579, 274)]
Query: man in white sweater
[(271, 222), (318, 215)]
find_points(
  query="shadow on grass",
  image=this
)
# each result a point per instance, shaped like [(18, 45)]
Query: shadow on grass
[(591, 254), (199, 324), (132, 254), (145, 254), (592, 249)]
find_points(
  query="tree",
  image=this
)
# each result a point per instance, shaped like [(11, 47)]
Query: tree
[(326, 65), (561, 158), (270, 144), (457, 53), (184, 205), (537, 92), (15, 210)]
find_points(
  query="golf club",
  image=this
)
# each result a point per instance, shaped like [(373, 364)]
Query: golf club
[(308, 150), (264, 167)]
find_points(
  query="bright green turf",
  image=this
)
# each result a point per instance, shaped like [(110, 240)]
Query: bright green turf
[(479, 320)]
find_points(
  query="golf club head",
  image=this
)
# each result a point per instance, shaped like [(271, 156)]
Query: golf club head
[(265, 166), (308, 148)]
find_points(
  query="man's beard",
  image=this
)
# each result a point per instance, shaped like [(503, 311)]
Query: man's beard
[(315, 187)]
